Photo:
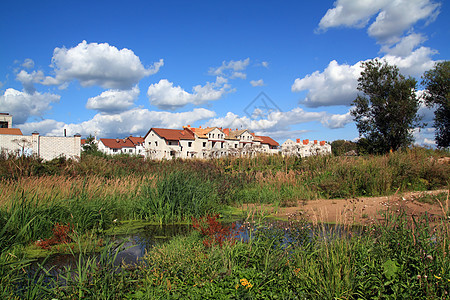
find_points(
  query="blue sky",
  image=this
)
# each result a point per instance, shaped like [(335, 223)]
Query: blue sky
[(284, 69)]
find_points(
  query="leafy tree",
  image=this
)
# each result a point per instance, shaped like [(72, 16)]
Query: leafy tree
[(340, 147), (90, 146), (437, 93), (386, 112)]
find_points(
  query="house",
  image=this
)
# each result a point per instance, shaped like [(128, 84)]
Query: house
[(268, 145), (116, 146), (304, 148), (138, 143), (209, 142), (162, 143)]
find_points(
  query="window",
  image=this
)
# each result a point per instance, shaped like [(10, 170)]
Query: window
[(131, 150), (149, 143), (221, 145), (114, 150), (204, 144), (156, 144), (189, 144), (235, 145)]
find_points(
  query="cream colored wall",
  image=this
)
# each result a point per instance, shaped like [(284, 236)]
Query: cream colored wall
[(45, 147)]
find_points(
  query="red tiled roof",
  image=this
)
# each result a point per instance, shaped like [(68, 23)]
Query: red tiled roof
[(268, 140), (136, 140), (83, 141), (173, 134), (12, 131), (117, 143)]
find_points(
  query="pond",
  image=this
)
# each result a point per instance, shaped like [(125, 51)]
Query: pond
[(137, 244)]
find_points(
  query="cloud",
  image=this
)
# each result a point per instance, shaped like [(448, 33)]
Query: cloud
[(29, 79), (398, 16), (28, 63), (231, 69), (415, 64), (135, 121), (393, 18), (350, 13), (98, 64), (22, 105), (336, 120), (165, 95), (113, 101), (424, 136), (265, 64), (336, 85), (405, 46), (259, 82)]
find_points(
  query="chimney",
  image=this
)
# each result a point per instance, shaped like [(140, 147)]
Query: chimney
[(322, 143), (117, 140), (305, 142), (315, 142), (199, 126), (298, 141), (189, 126)]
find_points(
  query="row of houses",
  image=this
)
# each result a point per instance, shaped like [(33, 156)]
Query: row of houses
[(209, 142), (304, 148), (190, 142)]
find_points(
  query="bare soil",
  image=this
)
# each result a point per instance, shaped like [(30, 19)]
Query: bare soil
[(362, 210)]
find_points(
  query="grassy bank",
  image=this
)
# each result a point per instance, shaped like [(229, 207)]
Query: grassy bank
[(400, 259)]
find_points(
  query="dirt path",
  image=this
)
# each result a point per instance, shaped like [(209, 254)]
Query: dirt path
[(362, 210)]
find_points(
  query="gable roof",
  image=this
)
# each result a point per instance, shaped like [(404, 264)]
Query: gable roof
[(268, 140), (117, 143), (136, 140), (202, 132), (234, 134), (11, 131), (172, 134)]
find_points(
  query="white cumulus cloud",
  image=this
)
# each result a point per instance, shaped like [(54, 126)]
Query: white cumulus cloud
[(336, 85), (393, 18), (98, 64), (113, 101), (165, 95), (22, 105), (28, 63), (231, 69), (259, 82)]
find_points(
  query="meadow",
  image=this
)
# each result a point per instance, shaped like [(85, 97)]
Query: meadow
[(401, 257)]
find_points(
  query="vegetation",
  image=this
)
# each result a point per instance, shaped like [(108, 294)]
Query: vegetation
[(386, 112), (400, 258), (65, 205), (437, 93)]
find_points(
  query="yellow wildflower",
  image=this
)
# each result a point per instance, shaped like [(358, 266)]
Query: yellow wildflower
[(437, 277), (244, 282)]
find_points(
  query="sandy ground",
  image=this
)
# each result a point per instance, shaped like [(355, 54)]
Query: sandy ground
[(363, 210)]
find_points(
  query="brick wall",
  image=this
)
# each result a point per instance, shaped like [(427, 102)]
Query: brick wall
[(45, 147)]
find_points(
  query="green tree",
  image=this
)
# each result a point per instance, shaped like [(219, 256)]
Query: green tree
[(340, 147), (386, 112), (90, 146), (437, 93)]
